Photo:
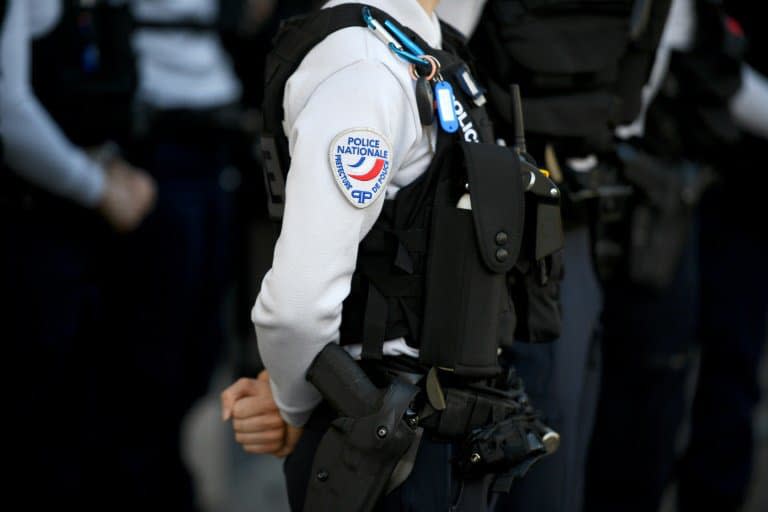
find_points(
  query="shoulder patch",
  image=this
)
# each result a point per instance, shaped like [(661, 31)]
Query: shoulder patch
[(361, 160)]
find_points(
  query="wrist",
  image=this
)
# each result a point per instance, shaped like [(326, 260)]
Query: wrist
[(106, 155)]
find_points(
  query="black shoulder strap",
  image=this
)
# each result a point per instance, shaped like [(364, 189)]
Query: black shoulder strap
[(187, 24), (296, 37)]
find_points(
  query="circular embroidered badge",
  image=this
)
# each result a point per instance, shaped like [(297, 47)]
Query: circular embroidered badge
[(360, 161)]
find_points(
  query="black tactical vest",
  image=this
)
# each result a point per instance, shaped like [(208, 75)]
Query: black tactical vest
[(427, 271), (84, 72), (580, 64), (690, 116)]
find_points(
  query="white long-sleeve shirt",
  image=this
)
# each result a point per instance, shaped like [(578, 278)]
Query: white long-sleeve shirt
[(749, 106), (463, 15), (181, 68), (35, 147), (678, 35), (350, 81)]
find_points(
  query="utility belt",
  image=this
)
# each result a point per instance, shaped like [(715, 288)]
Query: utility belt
[(383, 414), (200, 127)]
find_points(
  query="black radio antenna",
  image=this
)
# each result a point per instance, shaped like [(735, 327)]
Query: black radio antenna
[(518, 125)]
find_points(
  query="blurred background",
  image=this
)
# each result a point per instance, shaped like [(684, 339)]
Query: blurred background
[(134, 233)]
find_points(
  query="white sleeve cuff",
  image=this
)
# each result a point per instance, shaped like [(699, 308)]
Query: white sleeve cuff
[(297, 415)]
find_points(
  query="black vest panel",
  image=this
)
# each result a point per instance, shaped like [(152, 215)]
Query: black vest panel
[(690, 116), (84, 71), (581, 65)]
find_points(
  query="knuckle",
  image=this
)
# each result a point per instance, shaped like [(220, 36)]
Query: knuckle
[(241, 408)]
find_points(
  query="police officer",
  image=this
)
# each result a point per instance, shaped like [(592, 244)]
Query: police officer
[(61, 188), (581, 67), (703, 309), (168, 290), (364, 139)]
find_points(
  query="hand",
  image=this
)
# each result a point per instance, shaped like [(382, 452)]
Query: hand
[(129, 194), (255, 14), (257, 423)]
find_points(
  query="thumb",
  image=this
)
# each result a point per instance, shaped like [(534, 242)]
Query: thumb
[(292, 436), (241, 388)]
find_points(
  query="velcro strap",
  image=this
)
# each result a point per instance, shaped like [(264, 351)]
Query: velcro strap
[(498, 207), (374, 325)]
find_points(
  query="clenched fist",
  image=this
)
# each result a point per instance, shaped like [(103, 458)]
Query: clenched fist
[(129, 194), (257, 423)]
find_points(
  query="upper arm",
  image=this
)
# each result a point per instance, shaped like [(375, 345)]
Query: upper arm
[(364, 96), (316, 253)]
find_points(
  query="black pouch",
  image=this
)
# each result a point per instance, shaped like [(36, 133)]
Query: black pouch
[(470, 253), (537, 300)]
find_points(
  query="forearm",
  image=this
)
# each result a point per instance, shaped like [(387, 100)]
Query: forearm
[(288, 344), (35, 147), (749, 106), (37, 151)]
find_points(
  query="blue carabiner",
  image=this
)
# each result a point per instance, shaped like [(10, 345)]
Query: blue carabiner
[(405, 55), (411, 54), (368, 17), (404, 39)]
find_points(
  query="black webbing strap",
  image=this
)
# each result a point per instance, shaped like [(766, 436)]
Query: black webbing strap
[(374, 324), (189, 25), (295, 39)]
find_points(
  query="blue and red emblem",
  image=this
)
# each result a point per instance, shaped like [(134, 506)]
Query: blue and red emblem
[(360, 160)]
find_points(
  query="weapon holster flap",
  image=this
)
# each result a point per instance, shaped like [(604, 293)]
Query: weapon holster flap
[(498, 204), (357, 455)]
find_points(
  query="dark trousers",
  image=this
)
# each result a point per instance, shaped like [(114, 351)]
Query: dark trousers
[(51, 291), (165, 308), (647, 344), (716, 467), (561, 378)]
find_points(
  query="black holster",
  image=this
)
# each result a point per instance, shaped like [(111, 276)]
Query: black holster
[(362, 447), (656, 223)]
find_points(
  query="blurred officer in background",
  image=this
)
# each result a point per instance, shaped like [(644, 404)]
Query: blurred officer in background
[(581, 67), (732, 329), (672, 289), (168, 288), (64, 190)]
